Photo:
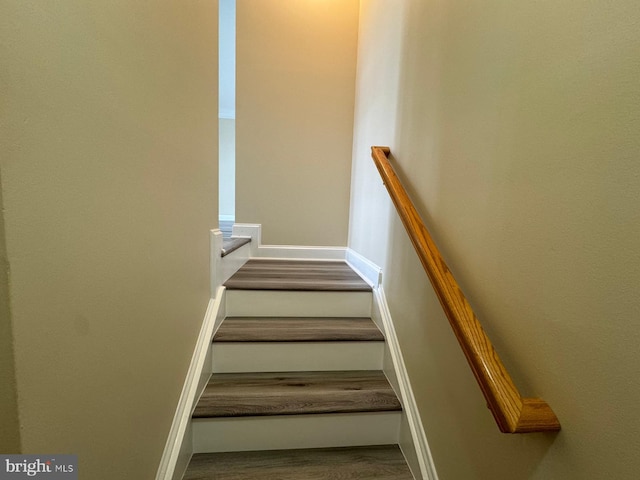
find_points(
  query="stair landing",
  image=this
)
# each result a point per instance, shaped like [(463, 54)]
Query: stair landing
[(311, 275), (384, 462)]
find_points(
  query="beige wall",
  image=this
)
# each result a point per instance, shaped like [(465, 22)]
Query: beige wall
[(515, 126), (294, 114), (9, 422), (109, 178)]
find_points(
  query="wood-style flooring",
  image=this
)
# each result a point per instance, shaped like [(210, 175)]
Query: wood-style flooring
[(231, 244), (250, 394), (272, 329), (384, 462), (269, 274)]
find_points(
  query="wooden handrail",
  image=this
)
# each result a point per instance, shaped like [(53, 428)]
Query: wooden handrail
[(512, 413)]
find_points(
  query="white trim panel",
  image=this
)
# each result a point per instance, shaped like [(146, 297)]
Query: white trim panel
[(295, 431), (232, 262), (253, 230), (215, 260), (178, 449), (301, 253), (270, 303), (238, 357)]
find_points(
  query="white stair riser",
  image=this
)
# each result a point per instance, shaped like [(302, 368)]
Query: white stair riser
[(265, 303), (295, 431), (237, 357)]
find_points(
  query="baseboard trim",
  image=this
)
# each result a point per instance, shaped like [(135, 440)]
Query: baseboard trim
[(178, 449), (399, 379), (364, 267), (291, 252)]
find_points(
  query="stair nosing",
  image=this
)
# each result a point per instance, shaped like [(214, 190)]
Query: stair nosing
[(281, 329), (292, 393)]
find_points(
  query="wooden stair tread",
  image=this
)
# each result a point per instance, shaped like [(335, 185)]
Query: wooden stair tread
[(290, 393), (277, 329), (383, 462), (231, 244), (314, 275)]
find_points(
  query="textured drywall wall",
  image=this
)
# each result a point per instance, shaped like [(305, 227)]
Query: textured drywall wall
[(9, 421), (294, 118), (109, 179), (514, 126)]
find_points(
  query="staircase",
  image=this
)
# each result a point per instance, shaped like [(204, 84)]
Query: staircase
[(298, 389)]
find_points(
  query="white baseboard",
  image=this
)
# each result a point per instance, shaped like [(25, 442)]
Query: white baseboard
[(396, 372), (178, 449), (364, 267), (291, 252)]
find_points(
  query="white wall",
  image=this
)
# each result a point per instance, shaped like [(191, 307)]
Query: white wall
[(227, 59), (109, 181), (514, 126), (227, 109), (294, 118), (227, 172)]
